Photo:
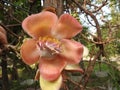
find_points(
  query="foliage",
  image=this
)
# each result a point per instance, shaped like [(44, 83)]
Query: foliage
[(12, 13)]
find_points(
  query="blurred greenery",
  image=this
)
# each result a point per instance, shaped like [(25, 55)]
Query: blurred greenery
[(12, 13)]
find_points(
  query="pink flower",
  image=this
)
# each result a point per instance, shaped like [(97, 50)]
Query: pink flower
[(51, 45), (3, 37)]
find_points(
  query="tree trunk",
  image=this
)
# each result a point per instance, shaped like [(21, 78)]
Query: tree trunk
[(5, 83), (57, 4)]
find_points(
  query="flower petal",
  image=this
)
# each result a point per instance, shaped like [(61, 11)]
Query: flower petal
[(29, 51), (67, 27), (50, 85), (39, 24), (74, 67), (51, 69), (72, 50), (2, 30), (86, 51), (37, 76), (3, 37)]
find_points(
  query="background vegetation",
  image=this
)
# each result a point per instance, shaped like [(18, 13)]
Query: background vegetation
[(101, 34)]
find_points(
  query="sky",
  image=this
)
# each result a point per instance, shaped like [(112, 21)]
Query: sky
[(106, 12)]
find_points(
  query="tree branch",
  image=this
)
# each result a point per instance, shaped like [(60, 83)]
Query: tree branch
[(99, 8), (9, 30), (93, 17)]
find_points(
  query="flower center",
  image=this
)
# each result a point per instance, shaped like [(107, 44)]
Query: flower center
[(49, 47)]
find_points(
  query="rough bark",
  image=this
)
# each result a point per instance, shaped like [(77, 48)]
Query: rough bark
[(5, 84), (57, 4)]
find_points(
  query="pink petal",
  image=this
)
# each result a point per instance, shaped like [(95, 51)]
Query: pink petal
[(2, 30), (29, 52), (67, 27), (3, 37), (39, 24), (72, 50), (51, 69)]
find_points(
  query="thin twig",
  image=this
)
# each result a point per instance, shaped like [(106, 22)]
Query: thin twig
[(90, 68), (100, 7), (93, 17), (13, 25), (103, 42), (89, 21), (9, 30), (8, 2)]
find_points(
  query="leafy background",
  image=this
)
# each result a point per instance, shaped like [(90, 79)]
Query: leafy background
[(105, 72)]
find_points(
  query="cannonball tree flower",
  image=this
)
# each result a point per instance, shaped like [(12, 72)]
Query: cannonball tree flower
[(51, 46), (3, 37)]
